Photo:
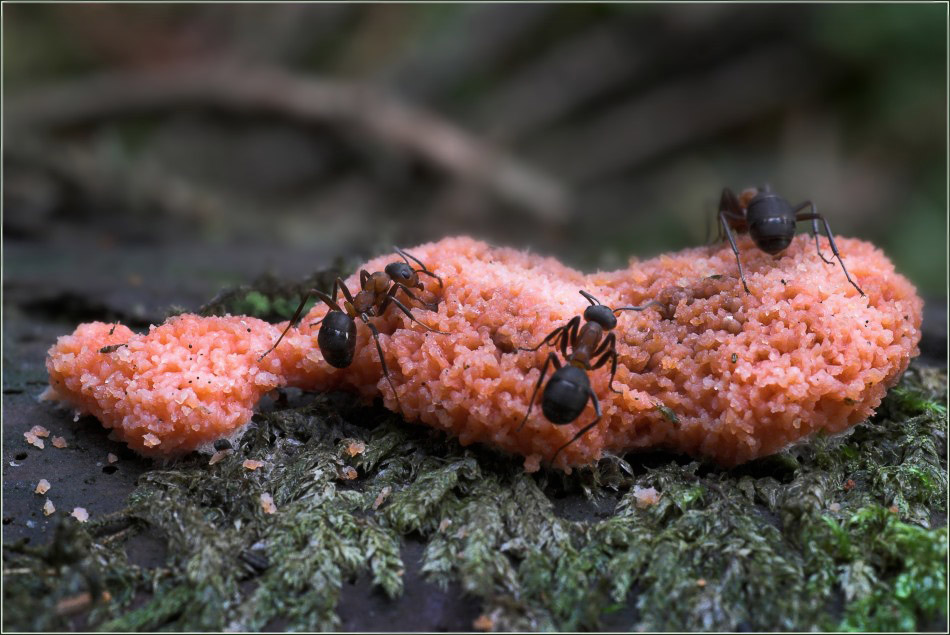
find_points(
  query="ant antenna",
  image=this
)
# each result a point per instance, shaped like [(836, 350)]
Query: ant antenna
[(594, 301), (640, 308), (406, 255)]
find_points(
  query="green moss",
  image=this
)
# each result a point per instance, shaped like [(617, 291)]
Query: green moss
[(843, 533)]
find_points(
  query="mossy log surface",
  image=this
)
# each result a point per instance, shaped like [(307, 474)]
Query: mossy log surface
[(380, 524)]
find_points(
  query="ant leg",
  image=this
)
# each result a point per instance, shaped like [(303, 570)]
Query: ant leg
[(583, 430), (570, 335), (339, 284), (324, 297), (552, 358), (404, 309), (382, 359), (729, 202), (424, 270), (735, 250), (398, 285), (364, 276), (814, 227), (552, 337), (834, 248), (607, 351)]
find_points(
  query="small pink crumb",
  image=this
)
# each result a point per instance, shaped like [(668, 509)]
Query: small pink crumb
[(355, 447), (32, 439), (218, 456), (532, 463), (150, 440), (48, 508), (251, 464), (59, 442), (111, 458), (348, 473), (383, 494), (40, 431), (445, 524), (42, 487), (80, 514), (835, 507), (483, 623), (267, 504), (645, 496), (701, 582)]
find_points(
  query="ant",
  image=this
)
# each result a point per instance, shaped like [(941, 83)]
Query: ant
[(566, 394), (770, 220), (337, 336)]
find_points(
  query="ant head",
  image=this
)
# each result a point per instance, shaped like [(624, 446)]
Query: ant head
[(602, 315), (401, 272)]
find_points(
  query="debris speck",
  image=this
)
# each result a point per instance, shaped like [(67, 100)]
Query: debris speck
[(267, 504), (48, 508), (483, 623), (355, 447), (645, 496), (218, 456), (111, 458), (251, 464), (77, 603), (32, 439), (80, 514), (383, 494), (42, 487), (348, 473), (59, 442), (150, 440), (701, 582), (849, 484), (668, 413), (835, 507)]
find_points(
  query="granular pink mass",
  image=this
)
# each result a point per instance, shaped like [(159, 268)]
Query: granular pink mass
[(744, 375)]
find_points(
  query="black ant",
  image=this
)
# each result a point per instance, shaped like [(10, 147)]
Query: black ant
[(337, 336), (566, 394), (770, 220)]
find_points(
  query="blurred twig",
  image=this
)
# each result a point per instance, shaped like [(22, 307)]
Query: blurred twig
[(679, 113), (303, 99)]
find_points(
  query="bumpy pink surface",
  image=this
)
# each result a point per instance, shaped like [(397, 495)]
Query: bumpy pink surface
[(810, 354)]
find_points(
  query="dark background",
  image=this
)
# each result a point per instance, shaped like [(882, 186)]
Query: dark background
[(632, 118)]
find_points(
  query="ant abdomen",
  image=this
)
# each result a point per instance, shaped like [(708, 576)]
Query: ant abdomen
[(337, 339), (566, 395)]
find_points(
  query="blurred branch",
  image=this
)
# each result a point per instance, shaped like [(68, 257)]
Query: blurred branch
[(111, 182), (469, 45), (307, 100), (678, 113)]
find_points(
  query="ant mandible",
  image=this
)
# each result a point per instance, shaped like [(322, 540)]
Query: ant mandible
[(337, 336), (566, 394), (770, 220)]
